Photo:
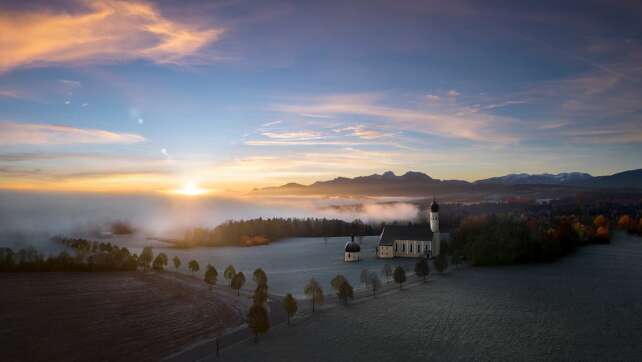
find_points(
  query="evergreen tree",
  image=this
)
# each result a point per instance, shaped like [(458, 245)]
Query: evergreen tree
[(399, 275)]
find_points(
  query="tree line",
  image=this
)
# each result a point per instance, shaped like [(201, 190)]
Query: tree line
[(506, 239), (264, 230)]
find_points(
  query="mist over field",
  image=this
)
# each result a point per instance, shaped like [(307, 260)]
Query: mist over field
[(33, 218)]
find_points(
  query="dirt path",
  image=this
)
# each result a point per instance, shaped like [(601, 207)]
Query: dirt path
[(107, 316)]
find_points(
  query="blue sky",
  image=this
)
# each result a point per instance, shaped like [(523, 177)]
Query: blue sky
[(147, 96)]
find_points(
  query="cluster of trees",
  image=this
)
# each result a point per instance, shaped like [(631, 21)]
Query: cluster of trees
[(261, 231), (497, 239), (30, 260), (630, 224)]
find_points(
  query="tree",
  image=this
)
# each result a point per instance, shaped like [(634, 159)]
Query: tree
[(146, 257), (260, 295), (160, 262), (314, 291), (335, 283), (229, 274), (290, 306), (364, 277), (600, 221), (441, 263), (375, 282), (345, 292), (387, 271), (399, 275), (177, 262), (422, 269), (624, 222), (260, 278), (257, 318), (211, 274), (237, 282), (193, 266)]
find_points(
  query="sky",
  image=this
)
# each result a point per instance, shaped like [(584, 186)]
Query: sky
[(225, 96)]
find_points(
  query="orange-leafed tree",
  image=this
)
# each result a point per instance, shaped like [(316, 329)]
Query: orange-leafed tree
[(600, 221), (602, 234), (624, 222)]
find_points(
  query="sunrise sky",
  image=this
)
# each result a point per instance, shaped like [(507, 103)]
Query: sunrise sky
[(198, 96)]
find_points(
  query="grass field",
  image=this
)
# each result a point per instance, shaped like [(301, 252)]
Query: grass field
[(585, 307)]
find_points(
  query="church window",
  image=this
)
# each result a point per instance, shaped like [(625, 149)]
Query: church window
[(403, 247), (411, 248)]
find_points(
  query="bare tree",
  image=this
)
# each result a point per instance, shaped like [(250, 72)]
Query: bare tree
[(314, 291), (375, 282)]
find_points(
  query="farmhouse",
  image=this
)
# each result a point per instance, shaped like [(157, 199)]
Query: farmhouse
[(412, 241)]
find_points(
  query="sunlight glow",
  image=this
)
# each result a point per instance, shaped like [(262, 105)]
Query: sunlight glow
[(191, 189)]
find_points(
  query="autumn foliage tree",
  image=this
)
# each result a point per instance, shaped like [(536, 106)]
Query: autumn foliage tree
[(290, 306)]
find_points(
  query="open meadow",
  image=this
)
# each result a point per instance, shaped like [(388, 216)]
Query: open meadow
[(584, 307)]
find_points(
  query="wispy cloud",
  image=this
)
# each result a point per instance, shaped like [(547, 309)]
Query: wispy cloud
[(441, 122), (102, 31), (13, 133), (294, 135)]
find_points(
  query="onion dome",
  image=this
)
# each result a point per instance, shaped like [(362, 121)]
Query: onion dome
[(352, 247), (434, 207)]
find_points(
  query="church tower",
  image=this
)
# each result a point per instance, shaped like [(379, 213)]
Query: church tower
[(434, 227)]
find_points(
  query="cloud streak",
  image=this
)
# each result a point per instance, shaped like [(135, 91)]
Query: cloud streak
[(12, 133), (105, 31), (451, 123)]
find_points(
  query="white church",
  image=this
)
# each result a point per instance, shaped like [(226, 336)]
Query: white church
[(412, 241)]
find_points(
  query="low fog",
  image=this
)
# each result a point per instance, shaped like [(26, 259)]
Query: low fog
[(31, 219)]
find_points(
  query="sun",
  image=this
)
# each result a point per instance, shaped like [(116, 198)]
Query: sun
[(191, 189)]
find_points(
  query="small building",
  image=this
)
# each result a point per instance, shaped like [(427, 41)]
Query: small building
[(352, 251), (412, 241)]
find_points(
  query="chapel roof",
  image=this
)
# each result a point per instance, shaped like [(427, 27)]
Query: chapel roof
[(391, 233)]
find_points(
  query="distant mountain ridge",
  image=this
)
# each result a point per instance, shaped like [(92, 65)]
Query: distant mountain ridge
[(413, 183), (538, 179)]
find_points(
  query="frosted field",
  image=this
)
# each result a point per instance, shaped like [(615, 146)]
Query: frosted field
[(290, 263), (585, 307)]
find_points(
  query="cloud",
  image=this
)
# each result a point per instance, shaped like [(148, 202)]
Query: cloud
[(101, 31), (453, 93), (362, 132), (432, 98), (451, 122), (12, 133), (273, 123), (6, 93), (164, 152), (294, 135)]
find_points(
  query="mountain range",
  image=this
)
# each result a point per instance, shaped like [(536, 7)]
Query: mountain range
[(414, 184)]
